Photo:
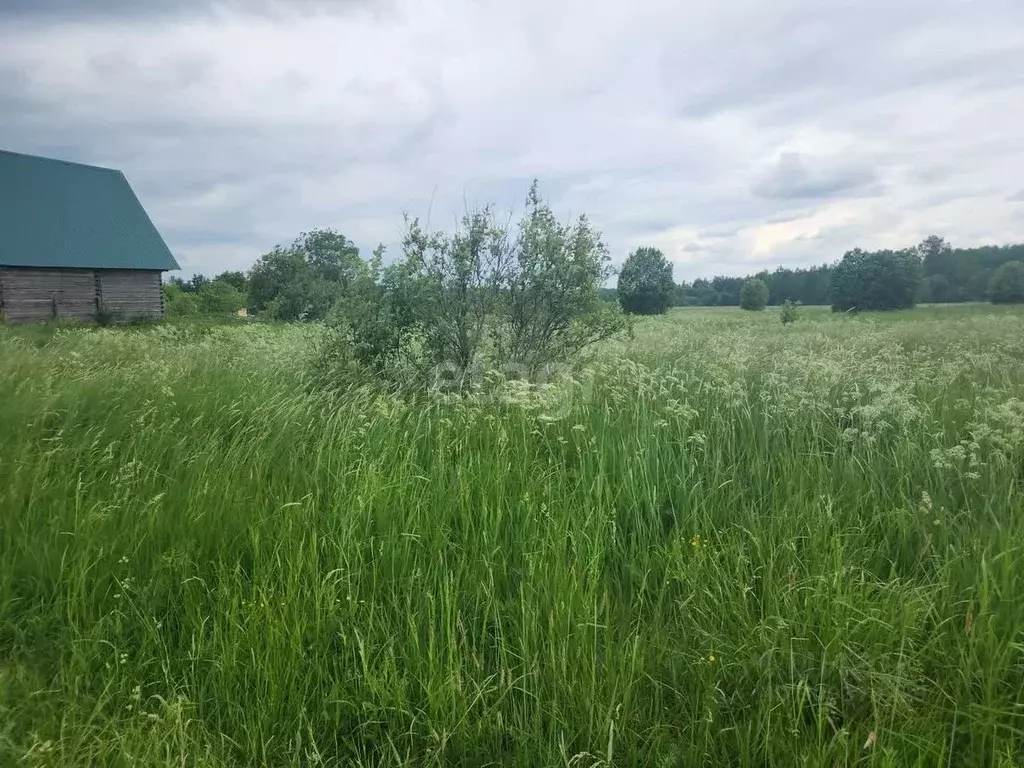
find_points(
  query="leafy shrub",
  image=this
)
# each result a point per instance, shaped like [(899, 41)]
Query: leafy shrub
[(645, 283), (754, 295), (1007, 284), (485, 297), (790, 312), (372, 335), (179, 304), (219, 297)]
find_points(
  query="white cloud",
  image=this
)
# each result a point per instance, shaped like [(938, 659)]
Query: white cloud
[(734, 135)]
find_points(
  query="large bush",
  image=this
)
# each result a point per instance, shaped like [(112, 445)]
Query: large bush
[(486, 297), (219, 297), (177, 302), (645, 283), (878, 280), (1007, 284), (754, 295)]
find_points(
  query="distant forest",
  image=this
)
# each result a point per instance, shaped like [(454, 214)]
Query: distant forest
[(951, 275)]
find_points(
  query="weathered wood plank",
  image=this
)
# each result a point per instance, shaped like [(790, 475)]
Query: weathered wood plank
[(29, 294), (132, 294), (47, 294)]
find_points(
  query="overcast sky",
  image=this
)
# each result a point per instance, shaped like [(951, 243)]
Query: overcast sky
[(735, 135)]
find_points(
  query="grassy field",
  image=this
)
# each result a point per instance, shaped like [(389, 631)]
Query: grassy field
[(729, 542)]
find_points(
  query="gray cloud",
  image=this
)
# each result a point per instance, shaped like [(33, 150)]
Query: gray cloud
[(243, 123), (721, 232), (70, 9), (793, 178), (119, 9)]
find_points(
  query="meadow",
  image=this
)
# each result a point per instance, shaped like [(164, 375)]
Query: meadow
[(724, 542)]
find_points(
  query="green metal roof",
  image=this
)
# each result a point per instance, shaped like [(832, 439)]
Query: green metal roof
[(59, 214)]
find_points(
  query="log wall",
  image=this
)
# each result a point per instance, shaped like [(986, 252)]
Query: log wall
[(47, 294), (28, 294), (131, 293)]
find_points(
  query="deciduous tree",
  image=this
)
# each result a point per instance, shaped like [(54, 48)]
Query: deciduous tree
[(754, 295), (1007, 285), (645, 283)]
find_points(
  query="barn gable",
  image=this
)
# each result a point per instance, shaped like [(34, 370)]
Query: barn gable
[(74, 239)]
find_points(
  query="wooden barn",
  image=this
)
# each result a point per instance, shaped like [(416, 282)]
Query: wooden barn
[(75, 242)]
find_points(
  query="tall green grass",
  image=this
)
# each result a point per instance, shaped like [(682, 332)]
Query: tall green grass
[(727, 543)]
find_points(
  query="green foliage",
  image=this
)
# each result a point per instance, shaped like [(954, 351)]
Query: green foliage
[(307, 298), (962, 274), (936, 289), (271, 275), (754, 295), (738, 546), (305, 281), (1007, 285), (483, 298), (192, 285), (790, 312), (459, 279), (645, 283), (374, 331), (177, 302), (237, 280), (950, 275), (549, 308), (212, 297), (330, 256), (876, 281), (809, 286), (933, 250), (219, 297)]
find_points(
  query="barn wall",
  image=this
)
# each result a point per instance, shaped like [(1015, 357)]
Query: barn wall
[(47, 294), (28, 295), (131, 293)]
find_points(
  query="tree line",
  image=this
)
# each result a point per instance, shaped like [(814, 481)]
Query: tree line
[(947, 275), (306, 280)]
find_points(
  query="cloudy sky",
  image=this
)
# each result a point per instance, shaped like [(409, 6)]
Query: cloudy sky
[(735, 135)]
